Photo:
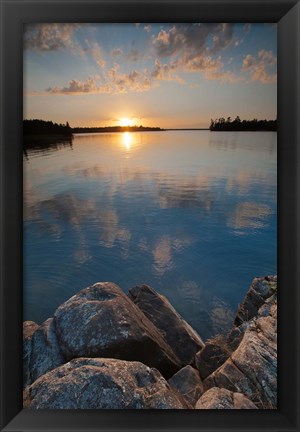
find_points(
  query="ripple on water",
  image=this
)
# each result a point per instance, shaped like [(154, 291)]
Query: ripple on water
[(173, 210)]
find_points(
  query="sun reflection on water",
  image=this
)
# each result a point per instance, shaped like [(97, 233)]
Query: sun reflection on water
[(127, 140)]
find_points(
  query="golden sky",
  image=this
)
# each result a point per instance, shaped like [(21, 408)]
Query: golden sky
[(166, 75)]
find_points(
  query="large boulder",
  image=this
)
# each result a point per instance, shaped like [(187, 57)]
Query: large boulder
[(220, 398), (187, 382), (102, 384), (101, 321), (41, 351), (182, 338), (252, 368)]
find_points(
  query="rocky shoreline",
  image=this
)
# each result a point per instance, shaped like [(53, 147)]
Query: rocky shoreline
[(104, 349)]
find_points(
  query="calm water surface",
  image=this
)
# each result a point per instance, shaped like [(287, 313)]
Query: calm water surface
[(191, 213)]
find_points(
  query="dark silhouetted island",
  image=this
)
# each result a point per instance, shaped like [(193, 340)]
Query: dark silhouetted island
[(237, 124), (41, 135), (42, 127)]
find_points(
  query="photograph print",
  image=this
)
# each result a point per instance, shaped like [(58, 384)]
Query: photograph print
[(150, 216)]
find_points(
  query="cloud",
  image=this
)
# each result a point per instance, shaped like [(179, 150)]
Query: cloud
[(202, 63), (166, 72), (75, 87), (259, 67), (192, 39), (133, 81), (55, 37), (223, 38), (49, 37), (116, 52), (189, 48), (192, 48), (113, 82), (94, 50)]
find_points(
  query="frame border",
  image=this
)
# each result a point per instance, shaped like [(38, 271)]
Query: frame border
[(14, 13)]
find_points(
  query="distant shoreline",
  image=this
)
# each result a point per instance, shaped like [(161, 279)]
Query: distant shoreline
[(186, 129), (109, 129), (36, 130)]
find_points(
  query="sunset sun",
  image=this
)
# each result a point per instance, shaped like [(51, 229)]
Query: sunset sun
[(125, 122)]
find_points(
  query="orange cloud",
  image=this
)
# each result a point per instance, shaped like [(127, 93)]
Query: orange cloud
[(259, 67)]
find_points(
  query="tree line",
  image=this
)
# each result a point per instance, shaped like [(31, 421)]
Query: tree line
[(237, 124), (42, 127), (115, 129)]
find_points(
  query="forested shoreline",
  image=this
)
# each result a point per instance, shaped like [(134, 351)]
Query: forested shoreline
[(237, 124)]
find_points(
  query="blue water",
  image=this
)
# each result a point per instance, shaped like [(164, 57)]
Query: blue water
[(191, 213)]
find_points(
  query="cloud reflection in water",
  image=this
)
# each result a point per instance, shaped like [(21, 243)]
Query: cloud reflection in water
[(169, 215)]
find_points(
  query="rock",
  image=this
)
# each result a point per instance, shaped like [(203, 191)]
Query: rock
[(212, 356), (260, 290), (184, 341), (220, 398), (101, 321), (102, 384), (45, 353), (236, 335), (187, 382), (29, 327), (252, 368)]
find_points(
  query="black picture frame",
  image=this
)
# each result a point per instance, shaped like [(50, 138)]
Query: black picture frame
[(13, 15)]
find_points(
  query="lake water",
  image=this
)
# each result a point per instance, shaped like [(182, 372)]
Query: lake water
[(191, 213)]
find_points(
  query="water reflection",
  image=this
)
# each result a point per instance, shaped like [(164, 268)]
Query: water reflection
[(248, 215), (127, 140), (45, 145), (209, 314), (184, 196), (244, 141), (168, 215), (162, 254), (243, 181)]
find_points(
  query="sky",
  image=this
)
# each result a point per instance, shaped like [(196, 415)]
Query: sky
[(165, 75)]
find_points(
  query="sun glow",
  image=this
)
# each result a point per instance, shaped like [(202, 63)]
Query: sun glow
[(127, 140), (126, 122)]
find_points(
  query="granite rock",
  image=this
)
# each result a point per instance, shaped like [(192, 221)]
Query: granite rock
[(29, 327), (101, 383), (101, 321), (260, 289), (181, 337), (45, 353), (252, 368), (212, 356), (220, 398), (187, 382)]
